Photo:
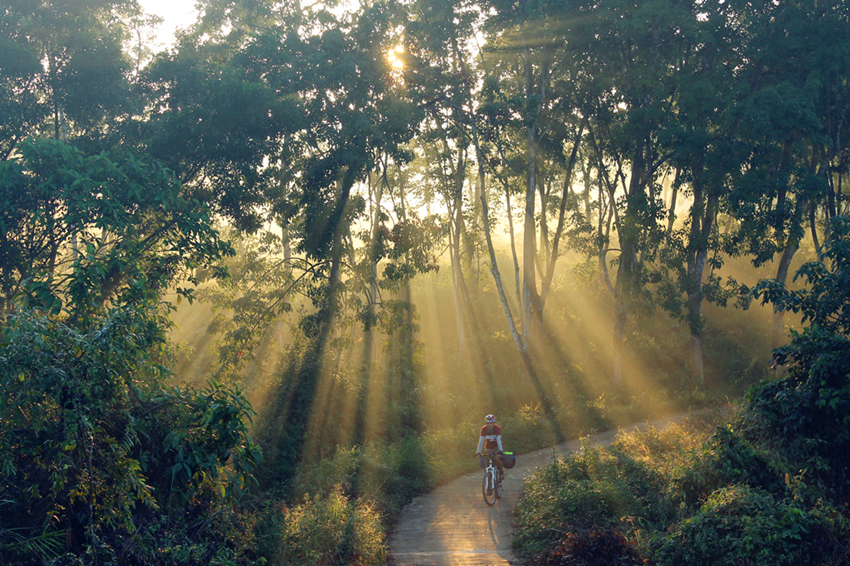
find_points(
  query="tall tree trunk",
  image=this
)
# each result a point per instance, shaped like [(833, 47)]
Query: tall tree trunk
[(703, 212), (622, 293), (671, 213), (494, 267), (373, 257), (778, 333), (695, 322), (559, 230), (529, 249), (512, 235), (455, 253), (628, 269), (530, 299)]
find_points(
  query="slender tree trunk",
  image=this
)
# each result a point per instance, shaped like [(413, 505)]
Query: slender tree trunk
[(373, 261), (458, 300), (287, 248), (510, 215), (703, 212), (695, 322), (585, 173), (628, 268), (620, 319), (562, 212), (459, 283), (544, 189), (494, 267), (778, 333), (814, 229), (530, 300), (831, 203), (671, 214), (529, 250)]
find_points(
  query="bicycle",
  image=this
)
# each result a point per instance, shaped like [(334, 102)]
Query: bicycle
[(491, 486)]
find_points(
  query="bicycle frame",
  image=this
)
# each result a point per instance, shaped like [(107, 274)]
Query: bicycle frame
[(491, 487)]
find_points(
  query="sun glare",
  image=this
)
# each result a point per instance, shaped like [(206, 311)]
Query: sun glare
[(394, 57)]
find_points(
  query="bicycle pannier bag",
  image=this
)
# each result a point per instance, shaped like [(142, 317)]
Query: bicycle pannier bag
[(508, 460)]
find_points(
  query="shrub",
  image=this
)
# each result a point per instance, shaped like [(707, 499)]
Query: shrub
[(92, 443), (804, 414), (727, 458), (325, 531), (740, 524), (596, 488), (592, 548), (620, 493)]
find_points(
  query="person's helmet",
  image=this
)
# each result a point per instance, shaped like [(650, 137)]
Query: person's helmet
[(490, 418)]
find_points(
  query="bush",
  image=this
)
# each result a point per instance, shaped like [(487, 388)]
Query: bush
[(324, 531), (727, 458), (593, 548), (609, 498), (804, 414), (596, 488), (92, 442), (740, 524)]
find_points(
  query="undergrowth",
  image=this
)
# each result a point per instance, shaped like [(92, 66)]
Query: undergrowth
[(703, 491)]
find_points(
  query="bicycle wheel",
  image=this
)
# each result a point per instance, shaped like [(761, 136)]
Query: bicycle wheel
[(487, 489), (498, 489)]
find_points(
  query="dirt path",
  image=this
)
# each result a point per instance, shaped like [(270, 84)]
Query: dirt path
[(452, 526)]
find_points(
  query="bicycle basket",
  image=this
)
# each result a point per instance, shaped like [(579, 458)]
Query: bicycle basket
[(508, 460)]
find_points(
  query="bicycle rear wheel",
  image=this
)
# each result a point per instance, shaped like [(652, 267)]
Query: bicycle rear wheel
[(488, 490)]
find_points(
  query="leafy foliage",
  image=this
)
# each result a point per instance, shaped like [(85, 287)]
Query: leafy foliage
[(804, 414), (328, 530), (824, 302), (593, 548), (78, 232), (738, 522), (92, 440), (64, 73)]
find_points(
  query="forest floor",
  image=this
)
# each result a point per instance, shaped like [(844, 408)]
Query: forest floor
[(452, 526)]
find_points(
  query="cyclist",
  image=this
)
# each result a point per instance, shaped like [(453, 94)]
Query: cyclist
[(491, 441)]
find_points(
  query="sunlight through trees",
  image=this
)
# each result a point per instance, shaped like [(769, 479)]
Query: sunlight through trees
[(373, 223)]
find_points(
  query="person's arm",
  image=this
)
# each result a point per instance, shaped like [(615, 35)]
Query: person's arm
[(499, 442), (480, 445)]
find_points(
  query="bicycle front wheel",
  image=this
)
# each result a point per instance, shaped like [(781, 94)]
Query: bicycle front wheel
[(488, 489)]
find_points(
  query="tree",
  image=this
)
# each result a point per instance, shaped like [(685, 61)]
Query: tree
[(93, 441), (701, 140), (530, 116), (791, 117), (805, 411), (64, 73), (135, 233), (636, 52)]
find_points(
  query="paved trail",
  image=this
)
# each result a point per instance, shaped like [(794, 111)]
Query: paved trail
[(452, 526)]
